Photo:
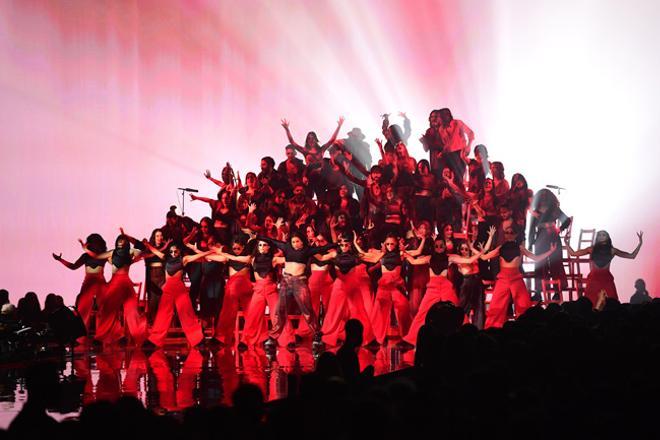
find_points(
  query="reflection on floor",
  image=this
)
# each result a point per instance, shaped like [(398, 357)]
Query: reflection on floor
[(173, 378)]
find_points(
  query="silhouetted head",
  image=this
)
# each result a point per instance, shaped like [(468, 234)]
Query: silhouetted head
[(354, 332), (96, 243), (640, 285), (445, 116)]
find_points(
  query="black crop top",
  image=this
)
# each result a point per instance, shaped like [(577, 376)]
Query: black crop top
[(345, 261), (91, 262), (292, 255), (601, 255), (173, 265), (122, 257), (509, 251), (391, 260), (237, 265), (439, 262), (263, 265), (320, 262)]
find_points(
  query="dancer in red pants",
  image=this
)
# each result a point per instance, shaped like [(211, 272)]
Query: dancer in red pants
[(238, 292), (509, 280), (255, 330), (175, 294), (119, 294), (94, 285), (600, 278), (391, 289), (439, 288), (346, 299)]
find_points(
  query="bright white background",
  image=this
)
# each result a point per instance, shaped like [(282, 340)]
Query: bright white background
[(107, 107)]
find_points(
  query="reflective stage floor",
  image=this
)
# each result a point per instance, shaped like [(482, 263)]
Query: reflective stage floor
[(173, 378)]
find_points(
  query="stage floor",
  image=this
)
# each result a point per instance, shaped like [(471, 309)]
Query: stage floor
[(173, 378)]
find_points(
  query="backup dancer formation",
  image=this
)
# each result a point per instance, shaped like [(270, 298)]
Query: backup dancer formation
[(332, 238)]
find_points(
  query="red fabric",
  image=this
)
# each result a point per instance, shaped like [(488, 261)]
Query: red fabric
[(364, 282), (175, 294), (119, 293), (255, 330), (389, 294), (346, 302), (597, 280), (238, 292), (438, 289), (93, 286), (420, 278), (509, 283)]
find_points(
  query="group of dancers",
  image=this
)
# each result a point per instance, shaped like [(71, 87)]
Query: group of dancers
[(295, 239)]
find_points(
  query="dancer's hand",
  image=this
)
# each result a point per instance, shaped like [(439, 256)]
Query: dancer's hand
[(57, 257), (279, 223), (403, 115), (207, 174), (640, 234), (252, 207), (193, 197), (340, 121), (491, 231), (121, 231), (82, 243), (285, 124)]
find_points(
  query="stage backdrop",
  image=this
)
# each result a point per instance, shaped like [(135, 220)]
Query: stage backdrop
[(108, 106)]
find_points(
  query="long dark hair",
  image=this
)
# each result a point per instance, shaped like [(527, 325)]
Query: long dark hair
[(96, 243)]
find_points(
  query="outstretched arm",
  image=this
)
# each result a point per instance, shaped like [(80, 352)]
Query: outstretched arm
[(333, 138), (73, 266), (239, 258), (633, 254), (193, 197), (101, 256), (294, 144), (532, 256), (153, 249), (419, 249), (492, 254), (578, 253), (426, 259), (190, 258), (220, 183)]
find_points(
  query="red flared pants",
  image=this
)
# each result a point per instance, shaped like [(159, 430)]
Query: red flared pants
[(175, 294), (438, 289), (389, 295), (93, 286), (255, 330), (597, 280), (346, 302), (238, 292), (119, 293), (509, 283)]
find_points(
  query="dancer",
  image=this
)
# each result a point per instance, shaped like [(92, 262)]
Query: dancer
[(238, 291), (119, 294), (175, 294), (471, 292), (347, 296), (94, 284), (264, 263), (391, 289), (312, 146), (509, 280), (155, 274), (294, 285), (547, 222), (439, 288), (600, 282)]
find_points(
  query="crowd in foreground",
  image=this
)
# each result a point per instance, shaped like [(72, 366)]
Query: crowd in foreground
[(562, 371)]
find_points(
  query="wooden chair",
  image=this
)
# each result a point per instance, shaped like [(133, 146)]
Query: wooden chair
[(550, 289)]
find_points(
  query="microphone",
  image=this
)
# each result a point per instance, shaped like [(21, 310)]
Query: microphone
[(555, 187), (190, 190)]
